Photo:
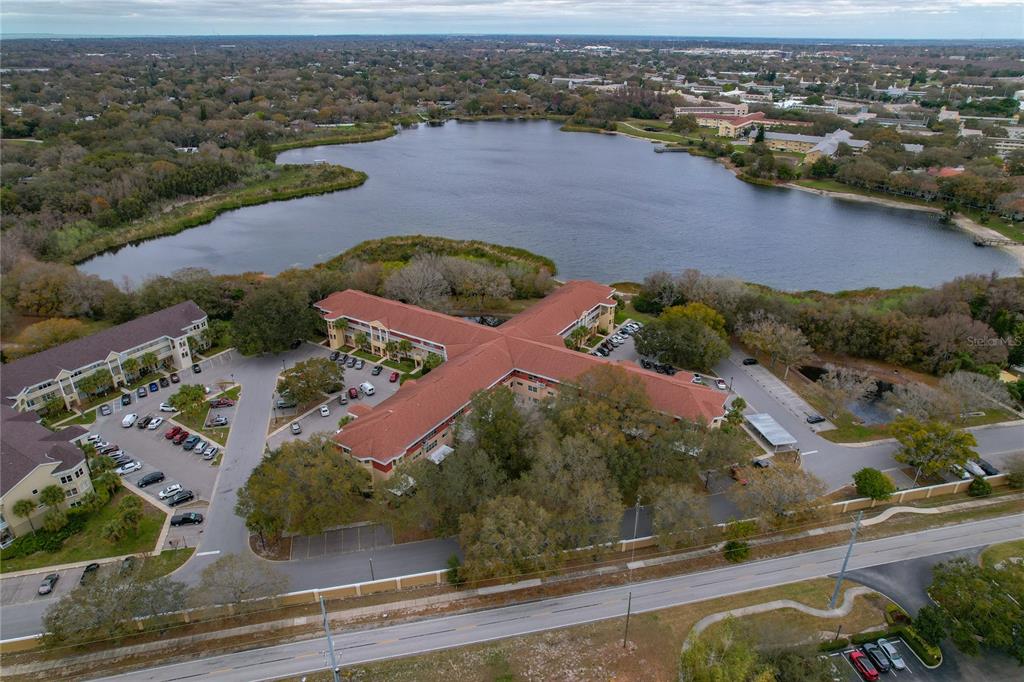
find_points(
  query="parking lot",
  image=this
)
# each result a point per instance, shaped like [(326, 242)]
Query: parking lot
[(916, 670), (315, 423), (341, 540)]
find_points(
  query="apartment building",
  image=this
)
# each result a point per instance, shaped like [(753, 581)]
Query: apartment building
[(527, 354), (31, 382)]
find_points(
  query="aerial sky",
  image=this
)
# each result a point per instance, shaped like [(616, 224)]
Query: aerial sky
[(889, 19)]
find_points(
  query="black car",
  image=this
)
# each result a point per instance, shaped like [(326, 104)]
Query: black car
[(335, 355), (186, 519), (175, 378), (46, 587), (749, 361), (645, 363), (181, 498), (164, 383), (987, 467), (295, 344), (196, 369), (150, 478), (144, 422), (877, 657), (343, 358), (815, 419), (126, 399), (377, 369), (89, 573), (670, 370), (351, 362)]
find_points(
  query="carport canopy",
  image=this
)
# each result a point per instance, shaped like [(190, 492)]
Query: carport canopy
[(772, 432)]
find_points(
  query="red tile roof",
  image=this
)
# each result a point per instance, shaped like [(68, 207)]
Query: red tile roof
[(484, 357)]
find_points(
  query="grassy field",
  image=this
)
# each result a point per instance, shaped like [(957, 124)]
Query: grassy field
[(595, 651), (281, 183), (195, 420), (164, 563), (1001, 552), (350, 135), (90, 544)]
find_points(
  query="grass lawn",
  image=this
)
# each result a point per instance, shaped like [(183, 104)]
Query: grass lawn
[(143, 381), (84, 418), (195, 420), (213, 350), (1001, 552), (631, 313), (847, 431), (90, 544), (405, 366), (359, 353), (165, 562), (594, 651), (407, 377)]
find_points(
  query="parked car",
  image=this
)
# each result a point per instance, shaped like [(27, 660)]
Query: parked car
[(646, 364), (343, 358), (167, 407), (129, 419), (393, 377), (150, 478), (377, 369), (106, 410), (960, 472), (325, 411), (106, 448), (296, 428), (987, 467), (120, 458), (128, 468), (720, 383), (172, 432), (180, 438), (335, 355), (974, 468), (170, 491), (670, 370), (749, 361), (877, 657), (154, 387), (93, 438), (141, 392), (342, 400), (862, 664), (164, 383), (895, 660), (144, 422), (367, 388), (814, 419), (196, 369), (351, 361), (200, 446), (186, 519), (736, 471), (190, 442), (295, 344), (175, 378), (219, 420), (762, 463), (697, 379), (126, 400), (88, 573), (221, 402), (360, 363), (353, 393), (46, 587), (211, 452), (155, 423), (285, 403), (181, 498)]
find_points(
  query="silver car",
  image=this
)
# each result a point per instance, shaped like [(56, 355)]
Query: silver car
[(892, 654)]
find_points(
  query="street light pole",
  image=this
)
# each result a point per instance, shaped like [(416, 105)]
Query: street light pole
[(629, 608), (846, 560), (636, 524), (330, 641), (371, 569)]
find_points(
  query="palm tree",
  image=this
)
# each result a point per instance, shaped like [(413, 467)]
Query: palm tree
[(130, 367), (404, 348), (24, 509), (391, 348), (52, 496), (340, 326), (149, 360)]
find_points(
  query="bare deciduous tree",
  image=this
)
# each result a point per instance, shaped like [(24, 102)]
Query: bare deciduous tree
[(781, 491), (841, 386), (421, 283), (973, 391), (920, 402)]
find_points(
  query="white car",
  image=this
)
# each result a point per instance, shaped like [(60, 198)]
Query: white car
[(170, 491), (325, 411), (155, 423), (129, 419), (367, 388), (211, 452), (93, 438), (165, 407), (973, 468), (697, 379), (128, 468), (721, 384)]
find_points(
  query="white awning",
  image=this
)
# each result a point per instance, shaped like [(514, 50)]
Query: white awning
[(771, 430), (438, 455)]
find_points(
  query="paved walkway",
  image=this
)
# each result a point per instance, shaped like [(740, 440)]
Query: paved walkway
[(838, 612)]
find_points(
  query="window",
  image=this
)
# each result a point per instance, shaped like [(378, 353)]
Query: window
[(532, 389), (35, 491), (430, 446), (78, 472), (66, 479)]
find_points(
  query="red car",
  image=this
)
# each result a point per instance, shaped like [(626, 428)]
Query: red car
[(394, 377), (222, 402), (862, 664), (180, 438), (736, 471), (172, 432), (353, 393)]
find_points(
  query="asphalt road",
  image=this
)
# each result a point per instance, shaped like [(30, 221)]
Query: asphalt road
[(362, 646)]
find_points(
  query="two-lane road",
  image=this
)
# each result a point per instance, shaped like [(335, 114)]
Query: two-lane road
[(362, 646)]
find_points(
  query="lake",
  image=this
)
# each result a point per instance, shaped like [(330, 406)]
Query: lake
[(603, 207)]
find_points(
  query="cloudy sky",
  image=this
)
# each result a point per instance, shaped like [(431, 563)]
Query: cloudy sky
[(968, 19)]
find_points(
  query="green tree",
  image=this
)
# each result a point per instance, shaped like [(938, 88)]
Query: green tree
[(362, 341), (679, 515), (683, 341), (577, 338), (931, 446), (129, 512), (148, 361), (700, 312), (238, 579), (721, 656), (52, 496), (779, 341), (24, 509), (55, 519), (130, 367), (932, 624), (734, 417), (404, 348), (271, 318), (308, 380), (782, 491), (188, 397), (303, 487), (979, 487), (873, 483), (391, 349), (507, 536), (499, 428), (432, 361), (736, 551)]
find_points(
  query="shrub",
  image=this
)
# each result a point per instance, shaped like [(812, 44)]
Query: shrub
[(931, 624), (930, 654), (873, 483), (1015, 472), (834, 645), (454, 575), (736, 551), (895, 615), (54, 520), (979, 487)]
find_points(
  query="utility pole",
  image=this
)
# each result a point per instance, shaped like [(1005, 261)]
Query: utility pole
[(330, 641), (629, 607), (846, 560), (371, 569), (636, 525)]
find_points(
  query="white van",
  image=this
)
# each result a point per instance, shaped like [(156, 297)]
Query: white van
[(129, 419), (366, 387)]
